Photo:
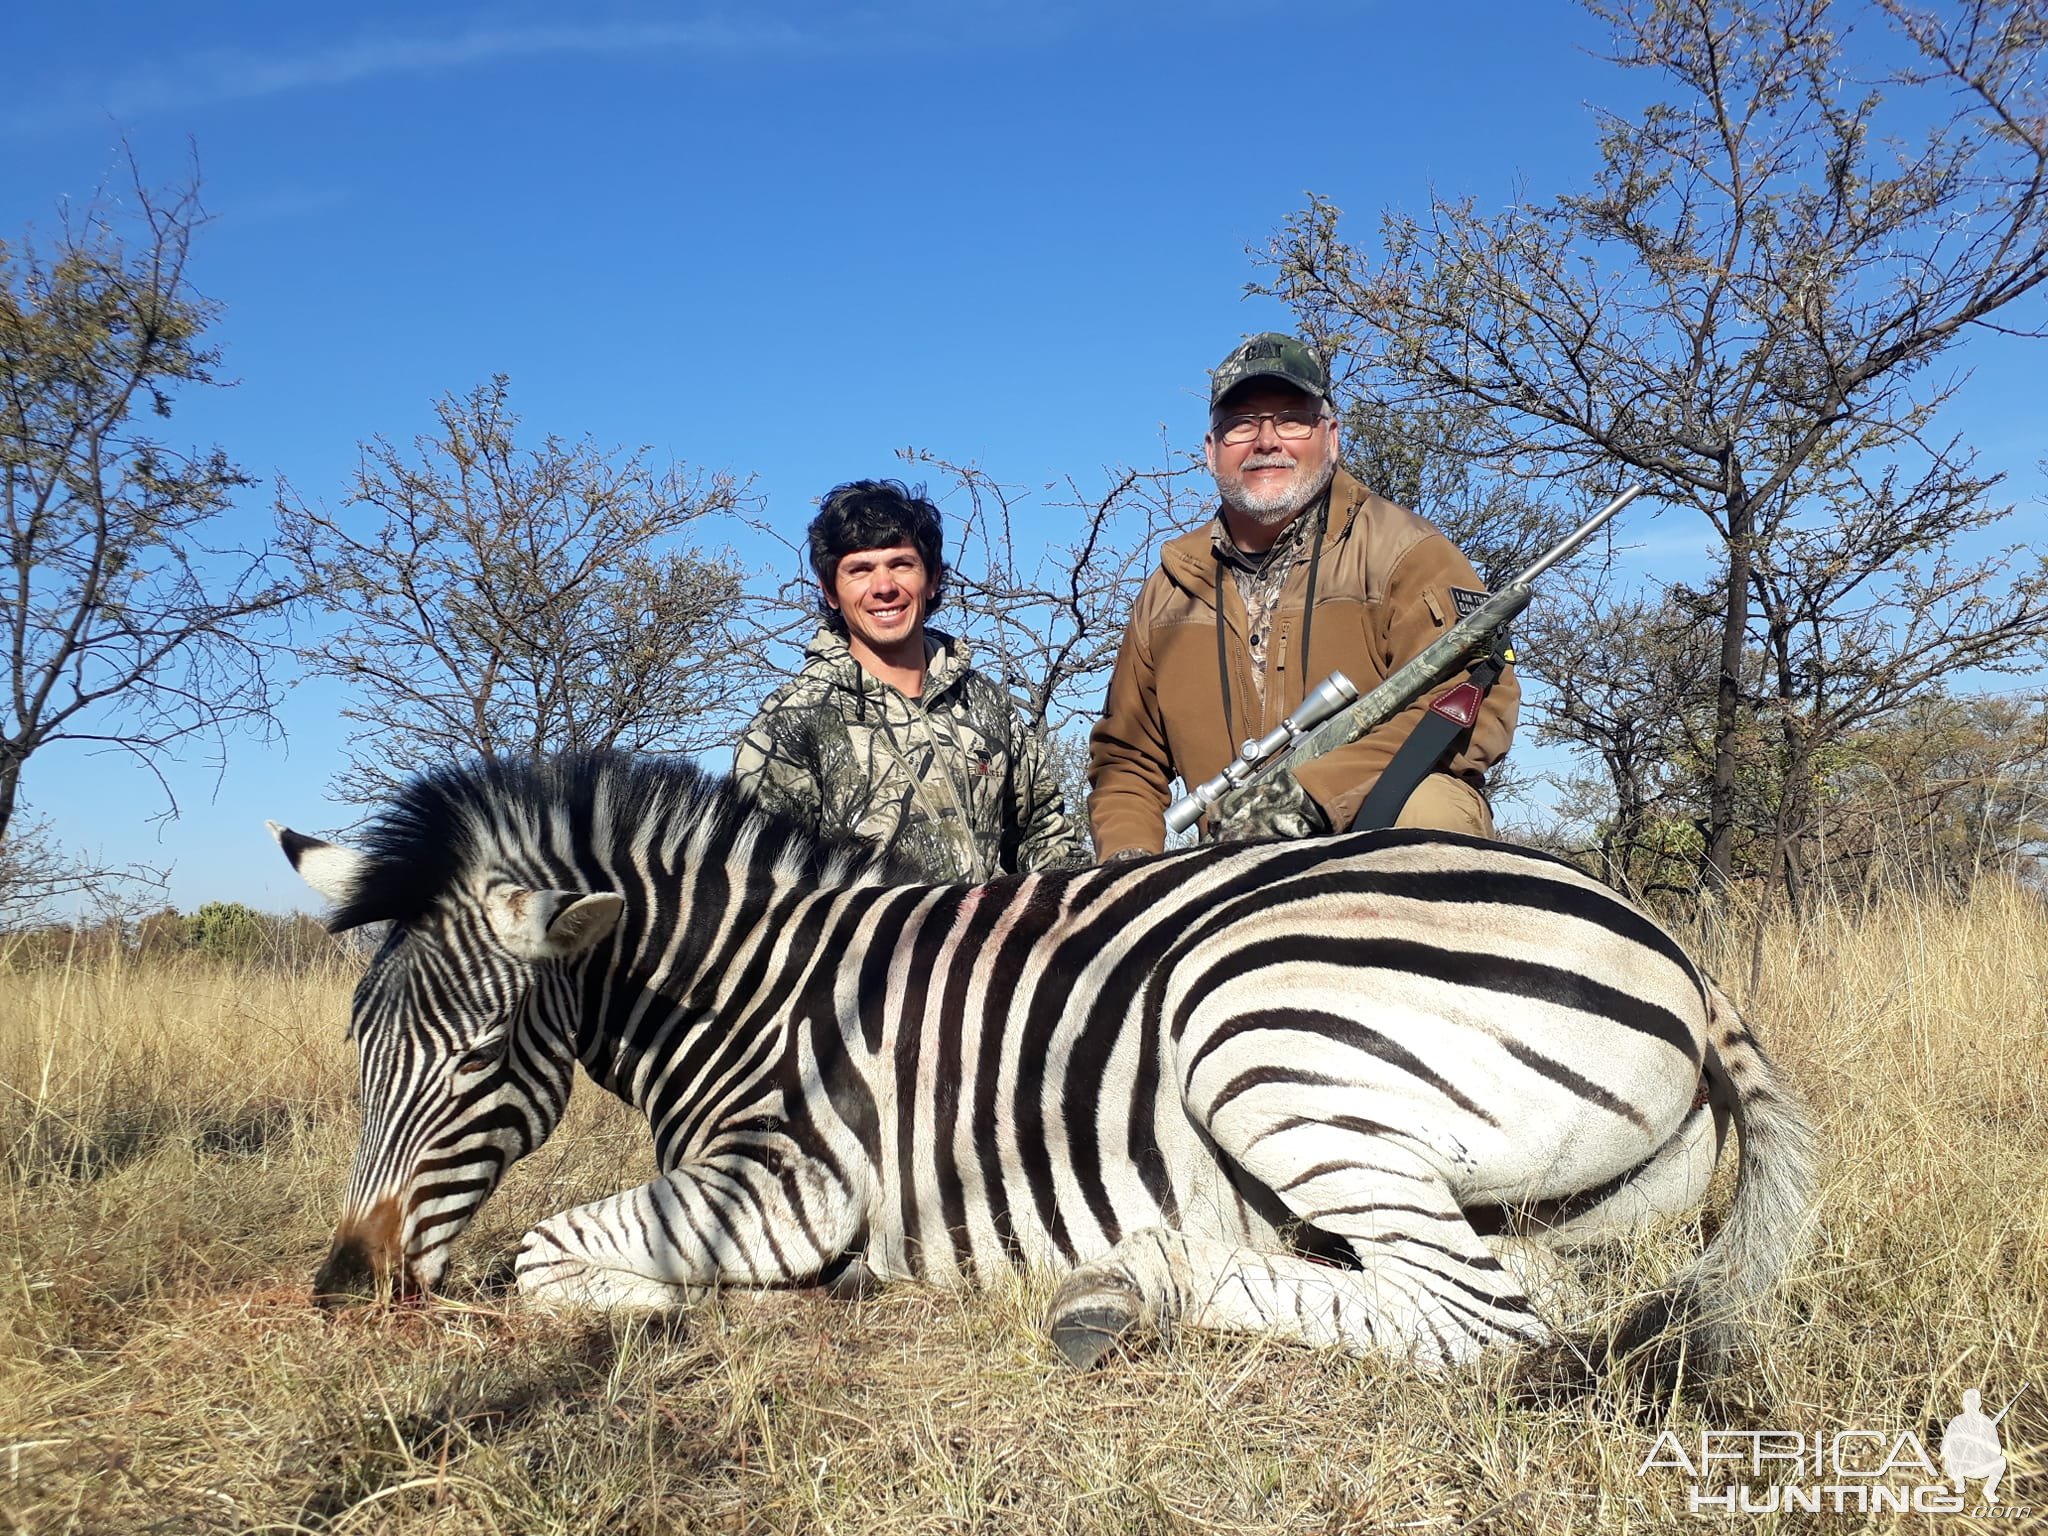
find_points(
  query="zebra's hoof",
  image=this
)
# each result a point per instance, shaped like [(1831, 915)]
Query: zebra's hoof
[(1086, 1334), (1089, 1322), (850, 1282)]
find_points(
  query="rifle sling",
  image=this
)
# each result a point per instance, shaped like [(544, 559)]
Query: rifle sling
[(1418, 756)]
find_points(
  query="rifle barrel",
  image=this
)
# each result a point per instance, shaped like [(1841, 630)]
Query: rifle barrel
[(1573, 540)]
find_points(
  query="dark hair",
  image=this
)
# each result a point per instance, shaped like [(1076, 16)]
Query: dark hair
[(874, 514)]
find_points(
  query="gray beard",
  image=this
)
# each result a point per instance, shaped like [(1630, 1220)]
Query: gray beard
[(1274, 508)]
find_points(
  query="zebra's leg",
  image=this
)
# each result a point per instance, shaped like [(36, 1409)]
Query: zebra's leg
[(731, 1220), (1545, 1275), (1431, 1286), (1427, 1288), (1160, 1277)]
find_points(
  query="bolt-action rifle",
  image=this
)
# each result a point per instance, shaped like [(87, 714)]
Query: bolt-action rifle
[(1333, 715)]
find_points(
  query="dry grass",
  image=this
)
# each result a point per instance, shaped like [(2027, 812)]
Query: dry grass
[(176, 1142)]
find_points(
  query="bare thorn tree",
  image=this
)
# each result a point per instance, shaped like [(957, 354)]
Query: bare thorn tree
[(130, 623), (1765, 266), (494, 600)]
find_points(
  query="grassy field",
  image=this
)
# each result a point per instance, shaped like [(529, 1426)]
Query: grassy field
[(177, 1140)]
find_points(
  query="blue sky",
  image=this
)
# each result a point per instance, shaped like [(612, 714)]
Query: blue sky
[(782, 240)]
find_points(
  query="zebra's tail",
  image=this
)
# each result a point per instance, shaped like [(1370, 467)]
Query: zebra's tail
[(1696, 1326)]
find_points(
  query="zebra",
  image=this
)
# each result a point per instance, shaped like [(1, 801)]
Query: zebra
[(1337, 1090)]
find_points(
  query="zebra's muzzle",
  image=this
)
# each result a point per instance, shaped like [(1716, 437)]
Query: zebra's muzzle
[(366, 1262)]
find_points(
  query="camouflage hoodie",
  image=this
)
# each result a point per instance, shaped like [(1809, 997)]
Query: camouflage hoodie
[(953, 783)]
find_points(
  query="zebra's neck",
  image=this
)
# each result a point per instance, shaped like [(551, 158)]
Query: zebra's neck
[(691, 1019)]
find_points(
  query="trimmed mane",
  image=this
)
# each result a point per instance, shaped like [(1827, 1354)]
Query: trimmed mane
[(450, 819)]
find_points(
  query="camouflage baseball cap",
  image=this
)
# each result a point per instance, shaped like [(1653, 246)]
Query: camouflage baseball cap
[(1270, 356)]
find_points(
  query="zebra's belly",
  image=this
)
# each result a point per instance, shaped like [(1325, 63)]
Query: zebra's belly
[(960, 1220)]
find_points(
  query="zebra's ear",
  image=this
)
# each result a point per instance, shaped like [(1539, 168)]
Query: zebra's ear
[(333, 871), (551, 925)]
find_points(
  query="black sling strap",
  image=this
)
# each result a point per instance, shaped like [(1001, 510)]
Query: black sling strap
[(1452, 711)]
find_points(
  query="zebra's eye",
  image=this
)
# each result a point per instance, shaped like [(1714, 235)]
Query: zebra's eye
[(480, 1058)]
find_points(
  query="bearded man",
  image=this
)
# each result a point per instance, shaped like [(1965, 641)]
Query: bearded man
[(1302, 572)]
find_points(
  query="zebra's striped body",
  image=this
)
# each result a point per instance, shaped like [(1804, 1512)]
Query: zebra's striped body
[(1175, 1078)]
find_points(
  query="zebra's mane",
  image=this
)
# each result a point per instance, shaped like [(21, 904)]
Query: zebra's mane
[(450, 821)]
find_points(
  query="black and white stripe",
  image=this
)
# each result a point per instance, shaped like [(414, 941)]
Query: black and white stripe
[(1187, 1080)]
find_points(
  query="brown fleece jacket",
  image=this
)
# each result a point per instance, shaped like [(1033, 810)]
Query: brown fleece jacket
[(1382, 595)]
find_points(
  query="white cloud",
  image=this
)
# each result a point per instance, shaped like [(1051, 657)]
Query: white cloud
[(211, 77)]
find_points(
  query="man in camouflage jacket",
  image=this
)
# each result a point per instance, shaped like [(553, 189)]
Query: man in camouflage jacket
[(887, 733)]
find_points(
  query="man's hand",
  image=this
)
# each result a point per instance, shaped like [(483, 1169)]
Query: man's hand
[(1278, 807)]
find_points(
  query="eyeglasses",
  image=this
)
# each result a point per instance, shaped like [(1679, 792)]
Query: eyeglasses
[(1288, 426)]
